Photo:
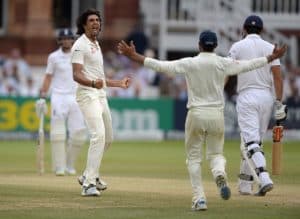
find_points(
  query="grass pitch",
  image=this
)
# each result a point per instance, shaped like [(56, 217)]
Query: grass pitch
[(146, 180)]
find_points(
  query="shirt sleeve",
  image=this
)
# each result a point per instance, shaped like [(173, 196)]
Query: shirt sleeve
[(167, 67), (77, 55), (233, 52), (234, 67), (50, 65)]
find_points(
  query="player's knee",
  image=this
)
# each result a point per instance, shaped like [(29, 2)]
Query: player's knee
[(96, 137), (56, 136), (190, 161), (58, 130), (255, 153), (253, 149)]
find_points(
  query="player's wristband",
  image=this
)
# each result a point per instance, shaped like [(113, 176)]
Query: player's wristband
[(93, 84)]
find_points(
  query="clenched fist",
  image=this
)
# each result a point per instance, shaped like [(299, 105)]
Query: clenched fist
[(125, 82)]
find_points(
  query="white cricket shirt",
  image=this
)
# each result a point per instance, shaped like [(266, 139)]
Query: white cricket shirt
[(205, 75), (89, 54), (253, 46), (59, 66)]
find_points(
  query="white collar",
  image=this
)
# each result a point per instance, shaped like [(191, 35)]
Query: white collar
[(253, 35)]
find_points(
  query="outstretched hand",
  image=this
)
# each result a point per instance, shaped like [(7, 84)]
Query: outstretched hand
[(278, 52), (129, 51), (125, 49)]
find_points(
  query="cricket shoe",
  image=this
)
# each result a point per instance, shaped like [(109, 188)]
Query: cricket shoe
[(264, 189), (225, 192), (100, 184), (90, 190), (199, 205)]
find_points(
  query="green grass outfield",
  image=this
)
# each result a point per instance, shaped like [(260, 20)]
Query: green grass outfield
[(146, 180)]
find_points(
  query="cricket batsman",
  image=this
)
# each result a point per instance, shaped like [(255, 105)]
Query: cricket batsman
[(255, 104), (68, 132)]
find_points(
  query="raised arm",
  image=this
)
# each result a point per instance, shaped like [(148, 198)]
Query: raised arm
[(236, 67), (168, 67)]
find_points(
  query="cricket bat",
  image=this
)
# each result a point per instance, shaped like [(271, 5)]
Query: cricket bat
[(40, 146), (277, 149)]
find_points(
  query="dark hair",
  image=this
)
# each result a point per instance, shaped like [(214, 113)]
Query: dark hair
[(251, 29), (82, 19)]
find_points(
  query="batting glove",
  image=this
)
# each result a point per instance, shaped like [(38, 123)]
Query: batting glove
[(280, 111), (41, 106)]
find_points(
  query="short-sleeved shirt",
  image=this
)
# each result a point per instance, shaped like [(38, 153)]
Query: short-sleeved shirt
[(59, 66), (89, 54), (205, 75), (253, 46)]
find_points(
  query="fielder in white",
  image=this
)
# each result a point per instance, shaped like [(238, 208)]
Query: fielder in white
[(255, 103), (87, 62), (205, 75), (66, 117)]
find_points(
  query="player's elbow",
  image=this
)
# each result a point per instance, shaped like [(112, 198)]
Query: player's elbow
[(75, 76)]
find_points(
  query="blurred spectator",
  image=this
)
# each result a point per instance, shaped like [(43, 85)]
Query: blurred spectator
[(30, 89), (291, 83), (294, 98), (180, 83), (135, 87), (147, 78), (9, 87), (17, 66), (16, 76), (117, 67), (2, 59)]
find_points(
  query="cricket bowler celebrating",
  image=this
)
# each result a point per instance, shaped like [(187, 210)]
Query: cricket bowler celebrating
[(87, 62), (66, 117), (255, 103), (205, 75)]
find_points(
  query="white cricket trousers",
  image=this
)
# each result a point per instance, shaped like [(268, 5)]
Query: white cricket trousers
[(98, 120), (65, 112), (254, 109), (204, 126)]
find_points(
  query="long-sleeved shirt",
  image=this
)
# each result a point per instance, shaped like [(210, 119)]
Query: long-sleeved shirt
[(205, 75)]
